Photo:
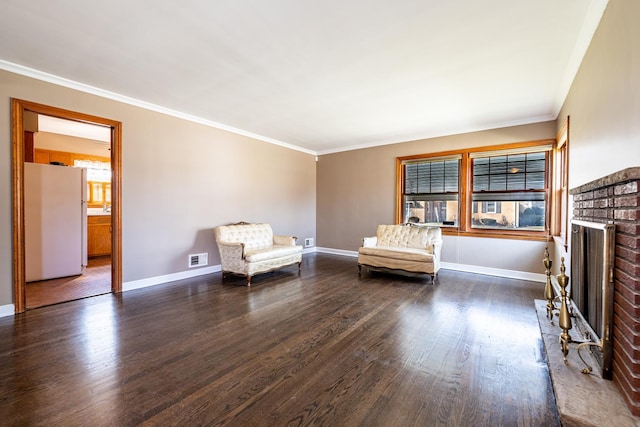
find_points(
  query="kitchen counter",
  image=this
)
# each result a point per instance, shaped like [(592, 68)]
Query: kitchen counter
[(97, 212)]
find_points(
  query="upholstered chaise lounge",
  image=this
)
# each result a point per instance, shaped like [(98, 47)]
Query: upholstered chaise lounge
[(404, 247), (249, 249)]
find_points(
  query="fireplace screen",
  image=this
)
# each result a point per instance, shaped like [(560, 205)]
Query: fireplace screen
[(592, 252)]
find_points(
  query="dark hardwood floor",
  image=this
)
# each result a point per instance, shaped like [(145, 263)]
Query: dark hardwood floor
[(326, 348)]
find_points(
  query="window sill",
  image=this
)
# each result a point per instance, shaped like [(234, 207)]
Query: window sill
[(539, 236), (559, 241)]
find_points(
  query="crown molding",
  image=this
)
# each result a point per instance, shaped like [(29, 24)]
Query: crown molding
[(82, 87)]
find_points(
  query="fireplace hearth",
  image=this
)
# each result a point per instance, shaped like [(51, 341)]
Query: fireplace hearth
[(582, 400)]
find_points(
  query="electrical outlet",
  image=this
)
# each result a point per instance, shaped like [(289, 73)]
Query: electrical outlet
[(308, 242)]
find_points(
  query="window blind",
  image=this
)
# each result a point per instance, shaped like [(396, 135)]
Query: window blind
[(512, 172), (431, 177)]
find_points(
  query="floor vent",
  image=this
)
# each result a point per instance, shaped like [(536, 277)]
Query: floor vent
[(198, 260)]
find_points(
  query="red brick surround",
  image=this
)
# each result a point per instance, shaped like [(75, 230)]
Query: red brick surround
[(616, 199)]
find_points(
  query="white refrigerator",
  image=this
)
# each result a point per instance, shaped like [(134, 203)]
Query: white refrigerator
[(55, 219)]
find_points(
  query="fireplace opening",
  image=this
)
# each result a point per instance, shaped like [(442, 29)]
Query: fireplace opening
[(592, 255)]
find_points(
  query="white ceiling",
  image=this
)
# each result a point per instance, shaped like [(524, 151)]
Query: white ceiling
[(320, 76), (72, 128)]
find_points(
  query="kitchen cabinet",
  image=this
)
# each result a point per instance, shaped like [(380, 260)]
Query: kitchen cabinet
[(99, 235), (42, 155), (48, 156)]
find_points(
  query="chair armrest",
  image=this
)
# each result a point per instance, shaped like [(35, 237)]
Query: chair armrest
[(231, 250), (369, 241), (437, 248), (284, 240)]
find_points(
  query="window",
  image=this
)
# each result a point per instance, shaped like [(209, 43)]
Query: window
[(98, 182), (500, 191), (430, 191), (96, 171), (488, 207), (516, 182), (560, 187), (98, 194)]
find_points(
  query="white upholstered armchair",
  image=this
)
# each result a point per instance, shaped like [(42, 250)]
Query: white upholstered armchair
[(249, 249), (402, 247)]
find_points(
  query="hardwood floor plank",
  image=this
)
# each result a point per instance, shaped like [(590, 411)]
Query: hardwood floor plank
[(324, 348)]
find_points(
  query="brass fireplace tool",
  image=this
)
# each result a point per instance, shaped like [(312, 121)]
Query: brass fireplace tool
[(564, 322), (564, 317), (548, 288), (565, 312)]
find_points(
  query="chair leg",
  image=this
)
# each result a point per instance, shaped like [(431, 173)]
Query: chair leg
[(248, 280), (299, 267), (359, 270)]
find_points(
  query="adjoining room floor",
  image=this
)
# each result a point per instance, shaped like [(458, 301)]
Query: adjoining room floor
[(95, 280), (323, 348)]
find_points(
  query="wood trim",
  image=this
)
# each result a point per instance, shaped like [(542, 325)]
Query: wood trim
[(399, 184), (563, 134), (510, 146), (514, 145), (430, 155), (560, 182), (116, 207), (19, 282), (17, 115), (497, 234), (548, 215), (464, 201)]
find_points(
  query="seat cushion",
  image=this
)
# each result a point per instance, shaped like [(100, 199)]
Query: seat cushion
[(275, 251), (408, 254)]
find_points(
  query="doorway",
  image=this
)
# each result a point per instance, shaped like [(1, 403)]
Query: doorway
[(23, 149)]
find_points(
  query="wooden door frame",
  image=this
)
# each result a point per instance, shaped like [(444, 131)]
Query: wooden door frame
[(18, 107)]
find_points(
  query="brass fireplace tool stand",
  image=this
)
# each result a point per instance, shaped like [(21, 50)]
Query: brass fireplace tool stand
[(565, 312), (564, 317), (549, 295)]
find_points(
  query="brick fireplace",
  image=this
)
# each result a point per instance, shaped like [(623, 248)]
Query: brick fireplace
[(616, 199)]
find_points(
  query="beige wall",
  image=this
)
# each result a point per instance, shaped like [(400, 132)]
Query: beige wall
[(356, 192), (604, 100), (180, 179)]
